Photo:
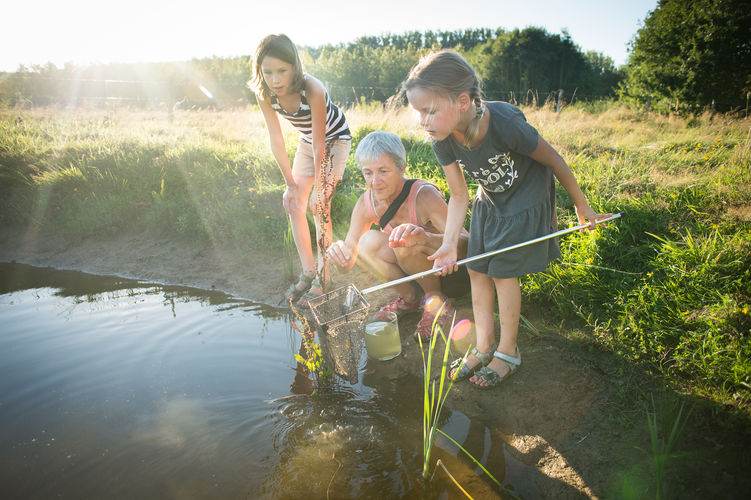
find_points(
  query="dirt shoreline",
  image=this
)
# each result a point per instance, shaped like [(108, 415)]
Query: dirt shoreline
[(571, 417)]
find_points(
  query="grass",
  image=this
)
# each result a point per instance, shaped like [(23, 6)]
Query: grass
[(667, 287), (664, 431), (666, 421), (434, 395)]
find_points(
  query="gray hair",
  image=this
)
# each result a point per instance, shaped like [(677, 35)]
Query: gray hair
[(380, 143)]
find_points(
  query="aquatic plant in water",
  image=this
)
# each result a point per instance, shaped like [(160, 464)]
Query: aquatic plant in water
[(434, 400), (314, 362)]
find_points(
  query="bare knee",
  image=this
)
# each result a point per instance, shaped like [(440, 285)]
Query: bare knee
[(296, 212), (409, 253), (370, 243)]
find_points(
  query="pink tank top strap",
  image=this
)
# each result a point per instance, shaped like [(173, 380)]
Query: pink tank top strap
[(370, 206), (411, 202)]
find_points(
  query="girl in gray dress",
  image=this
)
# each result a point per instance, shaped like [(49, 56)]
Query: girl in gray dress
[(514, 168)]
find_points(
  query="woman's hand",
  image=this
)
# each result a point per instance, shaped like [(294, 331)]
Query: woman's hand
[(586, 214), (444, 259), (290, 199), (339, 254), (407, 235)]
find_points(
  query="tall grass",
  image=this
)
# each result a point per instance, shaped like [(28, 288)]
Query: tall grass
[(665, 427), (435, 391), (668, 286)]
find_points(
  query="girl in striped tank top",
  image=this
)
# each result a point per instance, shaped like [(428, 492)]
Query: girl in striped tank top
[(282, 88)]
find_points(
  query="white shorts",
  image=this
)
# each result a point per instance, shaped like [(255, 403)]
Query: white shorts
[(303, 163)]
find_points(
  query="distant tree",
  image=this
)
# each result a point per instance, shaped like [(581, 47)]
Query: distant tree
[(363, 72), (688, 54), (531, 61), (603, 75)]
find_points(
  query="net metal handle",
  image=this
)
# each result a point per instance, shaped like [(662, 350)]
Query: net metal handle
[(488, 254)]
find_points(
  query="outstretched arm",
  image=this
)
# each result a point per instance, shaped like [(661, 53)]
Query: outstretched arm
[(344, 253), (548, 156), (446, 255)]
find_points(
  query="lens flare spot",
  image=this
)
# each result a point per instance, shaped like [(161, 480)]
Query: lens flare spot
[(461, 329), (206, 91), (433, 303)]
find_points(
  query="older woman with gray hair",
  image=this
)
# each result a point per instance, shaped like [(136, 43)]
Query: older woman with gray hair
[(411, 214)]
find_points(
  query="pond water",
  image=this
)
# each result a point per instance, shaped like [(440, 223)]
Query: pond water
[(118, 388)]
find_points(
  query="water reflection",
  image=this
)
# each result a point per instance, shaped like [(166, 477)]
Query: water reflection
[(179, 423), (88, 288), (115, 387)]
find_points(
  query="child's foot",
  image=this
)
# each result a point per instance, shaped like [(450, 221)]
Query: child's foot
[(498, 370), (315, 291), (473, 362), (296, 290)]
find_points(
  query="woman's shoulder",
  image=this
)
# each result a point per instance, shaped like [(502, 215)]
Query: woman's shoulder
[(427, 193), (363, 209), (363, 202)]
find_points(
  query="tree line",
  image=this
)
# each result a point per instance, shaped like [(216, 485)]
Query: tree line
[(686, 57), (371, 68)]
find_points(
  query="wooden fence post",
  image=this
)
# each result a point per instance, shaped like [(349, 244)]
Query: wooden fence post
[(560, 98)]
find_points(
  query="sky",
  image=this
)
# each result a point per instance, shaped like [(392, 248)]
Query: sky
[(88, 32)]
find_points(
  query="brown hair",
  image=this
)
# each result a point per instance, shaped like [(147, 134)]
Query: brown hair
[(448, 74), (281, 47)]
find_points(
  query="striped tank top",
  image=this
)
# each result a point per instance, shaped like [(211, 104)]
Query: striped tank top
[(336, 122)]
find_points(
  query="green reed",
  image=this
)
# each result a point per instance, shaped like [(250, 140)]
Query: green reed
[(434, 395), (665, 426), (435, 392), (290, 253)]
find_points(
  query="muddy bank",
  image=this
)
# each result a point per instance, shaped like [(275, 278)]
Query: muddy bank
[(573, 417)]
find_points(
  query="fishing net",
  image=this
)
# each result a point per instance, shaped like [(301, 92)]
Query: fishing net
[(340, 315)]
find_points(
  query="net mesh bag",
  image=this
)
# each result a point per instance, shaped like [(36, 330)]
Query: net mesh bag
[(340, 315)]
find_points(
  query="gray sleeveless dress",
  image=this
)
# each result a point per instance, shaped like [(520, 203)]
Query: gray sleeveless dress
[(515, 199)]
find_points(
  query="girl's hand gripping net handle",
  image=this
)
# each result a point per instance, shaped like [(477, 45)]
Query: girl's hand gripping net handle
[(488, 254)]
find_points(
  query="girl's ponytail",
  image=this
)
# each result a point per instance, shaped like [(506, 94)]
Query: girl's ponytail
[(473, 127)]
